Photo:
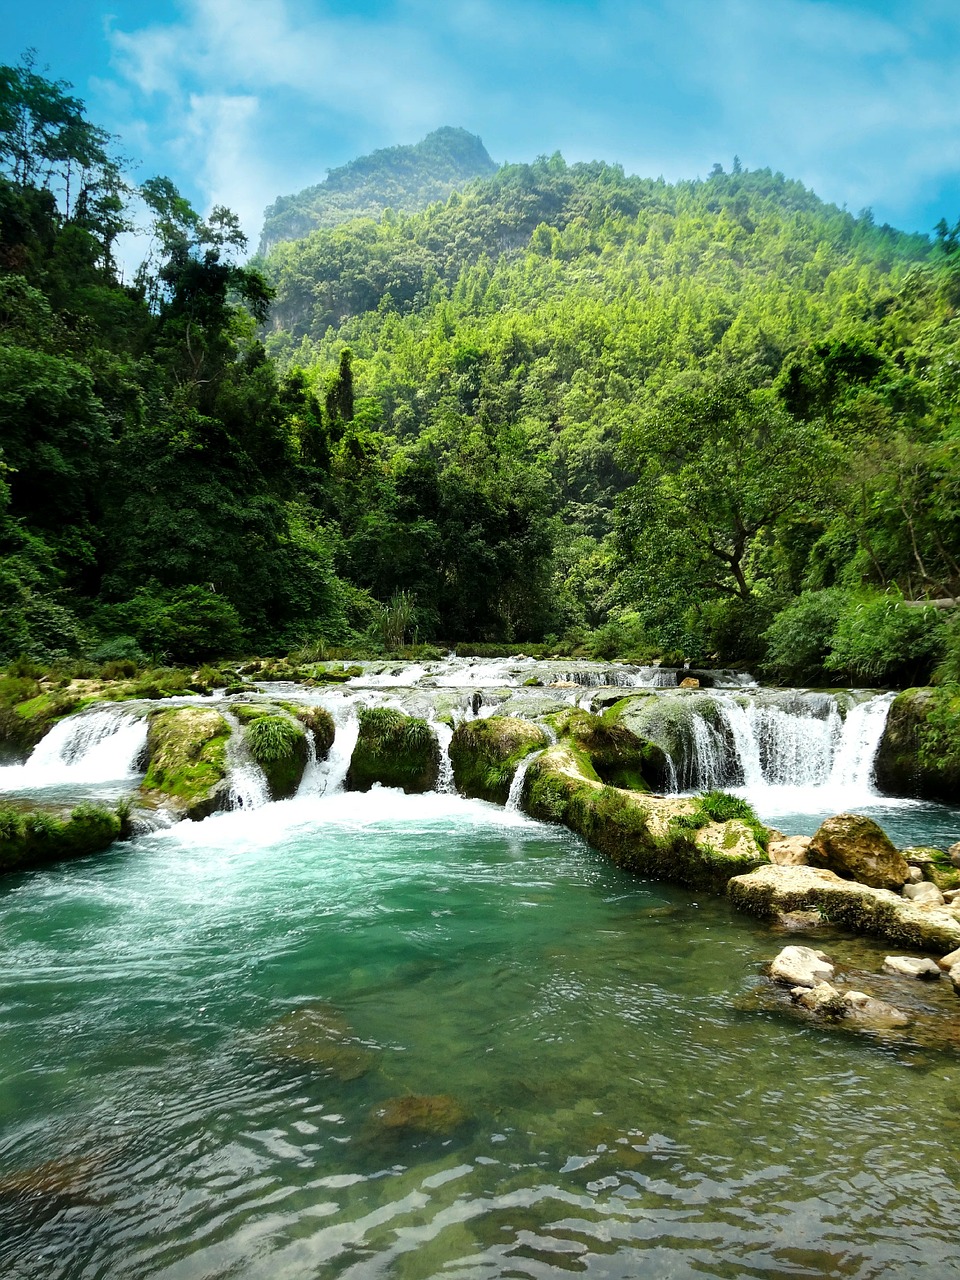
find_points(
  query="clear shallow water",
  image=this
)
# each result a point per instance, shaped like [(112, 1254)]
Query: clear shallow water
[(625, 1116)]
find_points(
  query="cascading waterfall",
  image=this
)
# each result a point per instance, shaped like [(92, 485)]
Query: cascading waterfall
[(796, 741), (331, 774), (516, 786), (105, 745)]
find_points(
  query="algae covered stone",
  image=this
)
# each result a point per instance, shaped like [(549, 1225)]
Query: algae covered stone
[(485, 754), (187, 761), (919, 753), (769, 891), (279, 746), (318, 1036), (436, 1115), (395, 750), (857, 848), (34, 838)]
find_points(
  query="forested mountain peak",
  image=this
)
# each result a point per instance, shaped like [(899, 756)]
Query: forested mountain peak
[(402, 178)]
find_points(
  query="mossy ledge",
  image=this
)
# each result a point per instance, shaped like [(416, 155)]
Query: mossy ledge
[(770, 891), (395, 750), (617, 755), (659, 838), (919, 753), (485, 755), (33, 839), (187, 761), (279, 746)]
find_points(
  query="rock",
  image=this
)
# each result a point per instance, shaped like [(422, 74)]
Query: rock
[(800, 921), (187, 761), (949, 960), (876, 1013), (822, 999), (789, 851), (919, 753), (914, 875), (394, 750), (689, 682), (485, 754), (911, 967), (954, 976), (953, 853), (801, 967), (950, 897), (858, 849), (318, 1036), (618, 757), (923, 894), (645, 835), (438, 1115), (770, 890)]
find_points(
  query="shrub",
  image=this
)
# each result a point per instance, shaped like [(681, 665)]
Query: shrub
[(798, 639), (272, 738), (881, 639)]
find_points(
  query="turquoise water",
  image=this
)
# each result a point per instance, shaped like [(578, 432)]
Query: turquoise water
[(607, 1098)]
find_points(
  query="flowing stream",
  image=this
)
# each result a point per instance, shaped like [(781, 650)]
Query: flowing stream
[(377, 1035)]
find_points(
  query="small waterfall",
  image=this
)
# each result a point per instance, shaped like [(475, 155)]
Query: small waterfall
[(246, 781), (655, 678), (331, 773), (310, 782), (445, 783), (105, 745), (516, 786), (859, 743), (708, 762)]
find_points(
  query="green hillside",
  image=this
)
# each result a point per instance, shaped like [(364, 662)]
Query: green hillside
[(716, 420), (402, 178)]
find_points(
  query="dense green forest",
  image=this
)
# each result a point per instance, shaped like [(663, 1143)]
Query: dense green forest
[(716, 420)]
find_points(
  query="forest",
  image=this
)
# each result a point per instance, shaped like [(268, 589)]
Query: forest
[(559, 409)]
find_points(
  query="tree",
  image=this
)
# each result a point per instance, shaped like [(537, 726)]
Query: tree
[(719, 467)]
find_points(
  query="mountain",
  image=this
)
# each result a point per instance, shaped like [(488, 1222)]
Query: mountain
[(404, 178)]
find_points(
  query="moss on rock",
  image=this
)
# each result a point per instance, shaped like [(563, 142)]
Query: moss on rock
[(32, 839), (919, 753), (642, 834), (666, 722), (279, 746), (395, 750), (618, 756), (771, 890), (485, 754), (187, 761), (317, 721)]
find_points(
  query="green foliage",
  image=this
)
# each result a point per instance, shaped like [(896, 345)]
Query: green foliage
[(31, 839), (881, 639), (272, 738), (799, 638), (186, 625)]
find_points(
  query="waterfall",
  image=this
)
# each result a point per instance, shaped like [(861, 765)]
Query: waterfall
[(793, 740), (246, 781), (515, 794), (445, 783), (331, 774), (105, 745), (310, 782)]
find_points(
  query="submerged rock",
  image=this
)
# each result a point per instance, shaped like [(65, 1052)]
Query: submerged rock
[(436, 1115), (870, 1011), (318, 1036), (770, 890), (820, 998), (858, 849), (801, 967)]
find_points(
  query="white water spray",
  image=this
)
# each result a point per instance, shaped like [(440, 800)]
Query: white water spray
[(105, 745)]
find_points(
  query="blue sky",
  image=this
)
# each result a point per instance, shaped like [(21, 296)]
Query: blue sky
[(239, 101)]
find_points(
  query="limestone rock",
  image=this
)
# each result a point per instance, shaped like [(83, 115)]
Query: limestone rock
[(318, 1036), (915, 876), (953, 853), (187, 761), (822, 999), (858, 849), (954, 976), (911, 967), (485, 754), (949, 960), (769, 890), (789, 851), (801, 967), (877, 1013), (689, 682), (800, 921), (923, 894)]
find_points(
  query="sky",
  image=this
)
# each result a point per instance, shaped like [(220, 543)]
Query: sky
[(239, 101)]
